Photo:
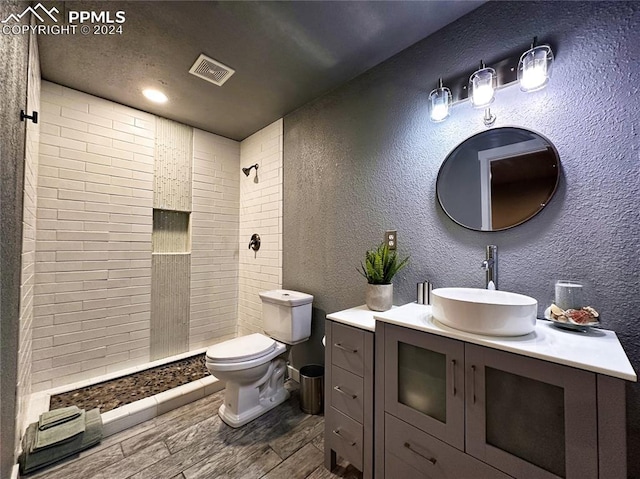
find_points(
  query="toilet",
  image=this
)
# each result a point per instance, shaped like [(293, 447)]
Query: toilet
[(254, 366)]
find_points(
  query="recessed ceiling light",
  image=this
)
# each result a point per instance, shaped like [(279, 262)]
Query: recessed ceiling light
[(155, 95)]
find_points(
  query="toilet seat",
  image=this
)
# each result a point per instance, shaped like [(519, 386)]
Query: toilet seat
[(243, 348), (225, 366)]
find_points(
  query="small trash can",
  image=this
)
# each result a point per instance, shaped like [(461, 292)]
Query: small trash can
[(312, 388)]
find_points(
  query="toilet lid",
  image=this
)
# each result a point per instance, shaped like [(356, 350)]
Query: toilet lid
[(243, 348)]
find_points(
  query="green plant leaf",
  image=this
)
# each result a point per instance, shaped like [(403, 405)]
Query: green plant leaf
[(381, 265)]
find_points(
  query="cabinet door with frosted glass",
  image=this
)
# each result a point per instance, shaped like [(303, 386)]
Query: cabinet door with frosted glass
[(530, 418), (424, 382)]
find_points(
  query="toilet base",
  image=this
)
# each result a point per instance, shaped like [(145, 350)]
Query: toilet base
[(264, 405)]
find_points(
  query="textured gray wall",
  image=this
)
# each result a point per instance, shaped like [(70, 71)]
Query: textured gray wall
[(14, 51), (364, 158)]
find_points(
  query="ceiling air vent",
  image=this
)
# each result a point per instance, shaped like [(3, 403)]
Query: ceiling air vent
[(211, 70)]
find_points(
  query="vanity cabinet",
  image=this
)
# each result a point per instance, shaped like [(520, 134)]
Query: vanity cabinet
[(349, 354), (424, 384), (530, 418), (449, 408)]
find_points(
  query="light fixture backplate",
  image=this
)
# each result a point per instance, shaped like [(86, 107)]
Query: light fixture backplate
[(506, 73)]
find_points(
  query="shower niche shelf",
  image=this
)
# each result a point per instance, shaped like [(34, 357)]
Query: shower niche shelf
[(171, 232)]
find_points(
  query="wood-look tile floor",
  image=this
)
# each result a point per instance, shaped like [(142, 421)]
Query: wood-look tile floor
[(192, 442)]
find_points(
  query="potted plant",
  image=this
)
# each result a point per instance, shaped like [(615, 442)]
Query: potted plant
[(379, 268)]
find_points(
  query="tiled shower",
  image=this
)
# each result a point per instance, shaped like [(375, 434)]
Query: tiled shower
[(114, 291)]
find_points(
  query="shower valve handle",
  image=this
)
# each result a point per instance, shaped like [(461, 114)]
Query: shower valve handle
[(254, 244)]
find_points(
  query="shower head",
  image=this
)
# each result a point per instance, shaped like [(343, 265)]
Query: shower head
[(246, 171)]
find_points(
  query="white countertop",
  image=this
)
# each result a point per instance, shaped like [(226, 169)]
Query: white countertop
[(359, 317), (598, 350)]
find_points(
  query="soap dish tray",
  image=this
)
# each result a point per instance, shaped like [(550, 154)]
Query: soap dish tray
[(583, 328)]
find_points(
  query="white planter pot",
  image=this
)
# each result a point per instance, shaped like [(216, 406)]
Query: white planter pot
[(379, 296)]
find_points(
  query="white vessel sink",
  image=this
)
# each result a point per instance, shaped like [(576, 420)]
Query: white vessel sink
[(483, 311)]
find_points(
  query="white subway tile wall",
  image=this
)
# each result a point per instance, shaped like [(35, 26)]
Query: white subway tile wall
[(214, 238), (27, 283), (93, 238), (260, 212)]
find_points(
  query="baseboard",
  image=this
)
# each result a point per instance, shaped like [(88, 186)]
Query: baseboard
[(293, 373)]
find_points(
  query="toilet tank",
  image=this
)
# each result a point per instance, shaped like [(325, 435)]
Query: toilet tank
[(286, 315)]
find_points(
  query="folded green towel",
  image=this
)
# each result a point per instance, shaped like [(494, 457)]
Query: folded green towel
[(62, 432), (93, 429), (58, 416), (31, 460)]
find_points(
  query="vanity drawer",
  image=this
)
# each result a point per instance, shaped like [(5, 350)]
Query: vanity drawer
[(396, 468), (344, 435), (347, 348), (347, 393), (434, 458)]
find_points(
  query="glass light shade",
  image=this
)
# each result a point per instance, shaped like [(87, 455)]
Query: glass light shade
[(482, 86), (534, 68), (439, 104)]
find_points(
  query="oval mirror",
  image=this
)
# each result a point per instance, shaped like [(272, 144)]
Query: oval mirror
[(498, 179)]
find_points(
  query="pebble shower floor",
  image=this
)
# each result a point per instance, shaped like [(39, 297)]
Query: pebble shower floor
[(125, 390)]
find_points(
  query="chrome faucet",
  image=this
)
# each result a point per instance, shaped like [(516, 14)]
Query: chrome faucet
[(490, 265)]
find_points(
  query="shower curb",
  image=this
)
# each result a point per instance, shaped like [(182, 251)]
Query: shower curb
[(136, 412)]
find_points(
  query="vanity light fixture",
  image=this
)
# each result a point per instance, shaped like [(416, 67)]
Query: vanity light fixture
[(155, 95), (440, 101), (534, 67), (532, 70), (482, 86)]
